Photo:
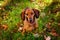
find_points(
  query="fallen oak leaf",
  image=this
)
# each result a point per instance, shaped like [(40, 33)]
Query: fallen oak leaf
[(53, 33), (47, 37), (4, 26), (48, 25)]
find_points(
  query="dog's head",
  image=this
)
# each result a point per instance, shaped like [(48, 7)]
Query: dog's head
[(30, 14)]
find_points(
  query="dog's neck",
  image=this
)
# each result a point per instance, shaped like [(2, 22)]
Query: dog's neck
[(29, 22), (26, 24)]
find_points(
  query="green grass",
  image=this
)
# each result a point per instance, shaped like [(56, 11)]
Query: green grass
[(14, 10)]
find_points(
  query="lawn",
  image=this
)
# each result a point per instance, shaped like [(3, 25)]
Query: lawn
[(10, 16)]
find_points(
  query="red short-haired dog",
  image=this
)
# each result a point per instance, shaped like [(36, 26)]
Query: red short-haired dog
[(29, 17)]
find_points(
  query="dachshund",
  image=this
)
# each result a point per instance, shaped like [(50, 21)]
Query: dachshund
[(29, 17)]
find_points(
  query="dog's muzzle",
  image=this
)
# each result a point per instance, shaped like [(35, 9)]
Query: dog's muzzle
[(31, 20)]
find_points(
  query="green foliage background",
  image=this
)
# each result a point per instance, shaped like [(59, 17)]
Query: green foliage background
[(14, 9)]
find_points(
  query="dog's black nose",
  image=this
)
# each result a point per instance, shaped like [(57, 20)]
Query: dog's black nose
[(30, 19)]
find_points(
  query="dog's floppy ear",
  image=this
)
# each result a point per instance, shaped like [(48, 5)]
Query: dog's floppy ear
[(23, 15), (36, 13)]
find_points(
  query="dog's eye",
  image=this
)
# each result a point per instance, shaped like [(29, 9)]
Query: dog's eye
[(26, 14)]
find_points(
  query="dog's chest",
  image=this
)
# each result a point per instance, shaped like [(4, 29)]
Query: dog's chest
[(32, 25), (29, 27)]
